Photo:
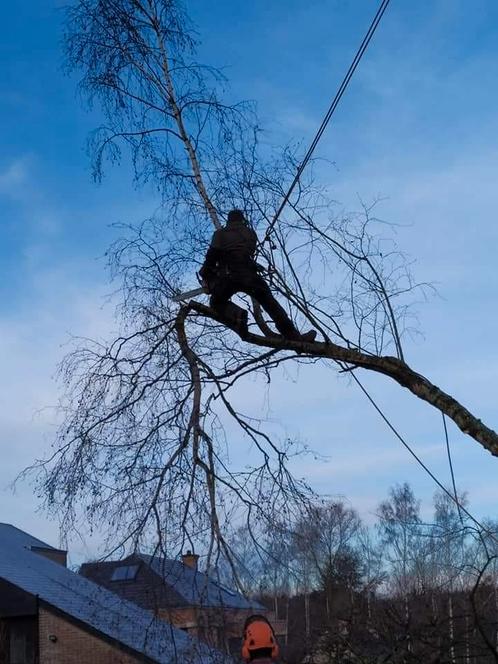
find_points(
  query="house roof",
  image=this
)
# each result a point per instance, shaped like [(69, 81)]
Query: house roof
[(93, 605), (18, 538), (179, 585), (197, 588)]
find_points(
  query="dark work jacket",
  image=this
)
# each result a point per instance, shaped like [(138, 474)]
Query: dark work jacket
[(231, 251)]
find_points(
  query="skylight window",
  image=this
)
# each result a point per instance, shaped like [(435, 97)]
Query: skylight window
[(125, 573)]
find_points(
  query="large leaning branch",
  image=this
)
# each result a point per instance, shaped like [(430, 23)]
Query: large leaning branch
[(390, 366)]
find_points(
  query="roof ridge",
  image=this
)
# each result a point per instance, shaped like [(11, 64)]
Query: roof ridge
[(28, 536)]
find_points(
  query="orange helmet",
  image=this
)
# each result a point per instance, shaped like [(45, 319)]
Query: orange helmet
[(258, 635)]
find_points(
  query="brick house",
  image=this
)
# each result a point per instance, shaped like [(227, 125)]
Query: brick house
[(179, 593), (51, 615)]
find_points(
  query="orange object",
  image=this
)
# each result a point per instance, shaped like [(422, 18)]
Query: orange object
[(258, 635)]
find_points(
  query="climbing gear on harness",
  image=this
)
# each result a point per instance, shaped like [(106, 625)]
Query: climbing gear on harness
[(230, 268)]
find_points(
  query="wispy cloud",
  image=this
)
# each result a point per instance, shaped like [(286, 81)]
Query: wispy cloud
[(33, 341), (14, 176)]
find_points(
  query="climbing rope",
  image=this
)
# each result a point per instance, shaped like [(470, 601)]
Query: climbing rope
[(480, 526), (342, 88)]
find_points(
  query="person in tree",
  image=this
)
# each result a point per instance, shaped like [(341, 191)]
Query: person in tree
[(259, 644), (230, 268)]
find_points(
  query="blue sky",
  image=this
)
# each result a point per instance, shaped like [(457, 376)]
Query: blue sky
[(418, 126)]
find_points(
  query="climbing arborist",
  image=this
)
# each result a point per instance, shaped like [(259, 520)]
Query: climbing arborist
[(230, 268), (259, 643)]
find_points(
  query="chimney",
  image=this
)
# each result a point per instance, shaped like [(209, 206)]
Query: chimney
[(190, 559), (56, 555)]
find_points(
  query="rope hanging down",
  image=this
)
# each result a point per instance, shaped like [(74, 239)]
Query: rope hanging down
[(359, 54), (481, 528)]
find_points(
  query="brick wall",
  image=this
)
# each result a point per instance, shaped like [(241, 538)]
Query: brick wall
[(74, 645), (202, 622), (56, 555), (220, 627)]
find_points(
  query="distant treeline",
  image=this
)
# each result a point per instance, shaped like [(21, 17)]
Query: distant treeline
[(403, 590)]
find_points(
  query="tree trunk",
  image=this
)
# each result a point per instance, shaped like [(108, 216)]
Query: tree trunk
[(451, 628), (496, 616), (287, 619), (467, 640), (409, 646), (307, 615)]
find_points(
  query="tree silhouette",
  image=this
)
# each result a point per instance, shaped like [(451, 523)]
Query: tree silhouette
[(143, 447)]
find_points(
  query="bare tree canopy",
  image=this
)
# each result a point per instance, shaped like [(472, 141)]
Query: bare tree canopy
[(143, 447)]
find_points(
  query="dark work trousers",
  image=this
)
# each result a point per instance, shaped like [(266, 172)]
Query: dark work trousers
[(252, 284)]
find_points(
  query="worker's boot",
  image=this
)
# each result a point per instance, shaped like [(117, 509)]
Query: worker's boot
[(309, 336), (297, 336), (237, 319), (242, 323)]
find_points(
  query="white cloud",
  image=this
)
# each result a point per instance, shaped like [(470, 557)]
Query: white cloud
[(345, 463), (32, 343), (14, 176)]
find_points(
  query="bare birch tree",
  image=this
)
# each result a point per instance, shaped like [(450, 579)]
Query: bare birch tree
[(143, 446)]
